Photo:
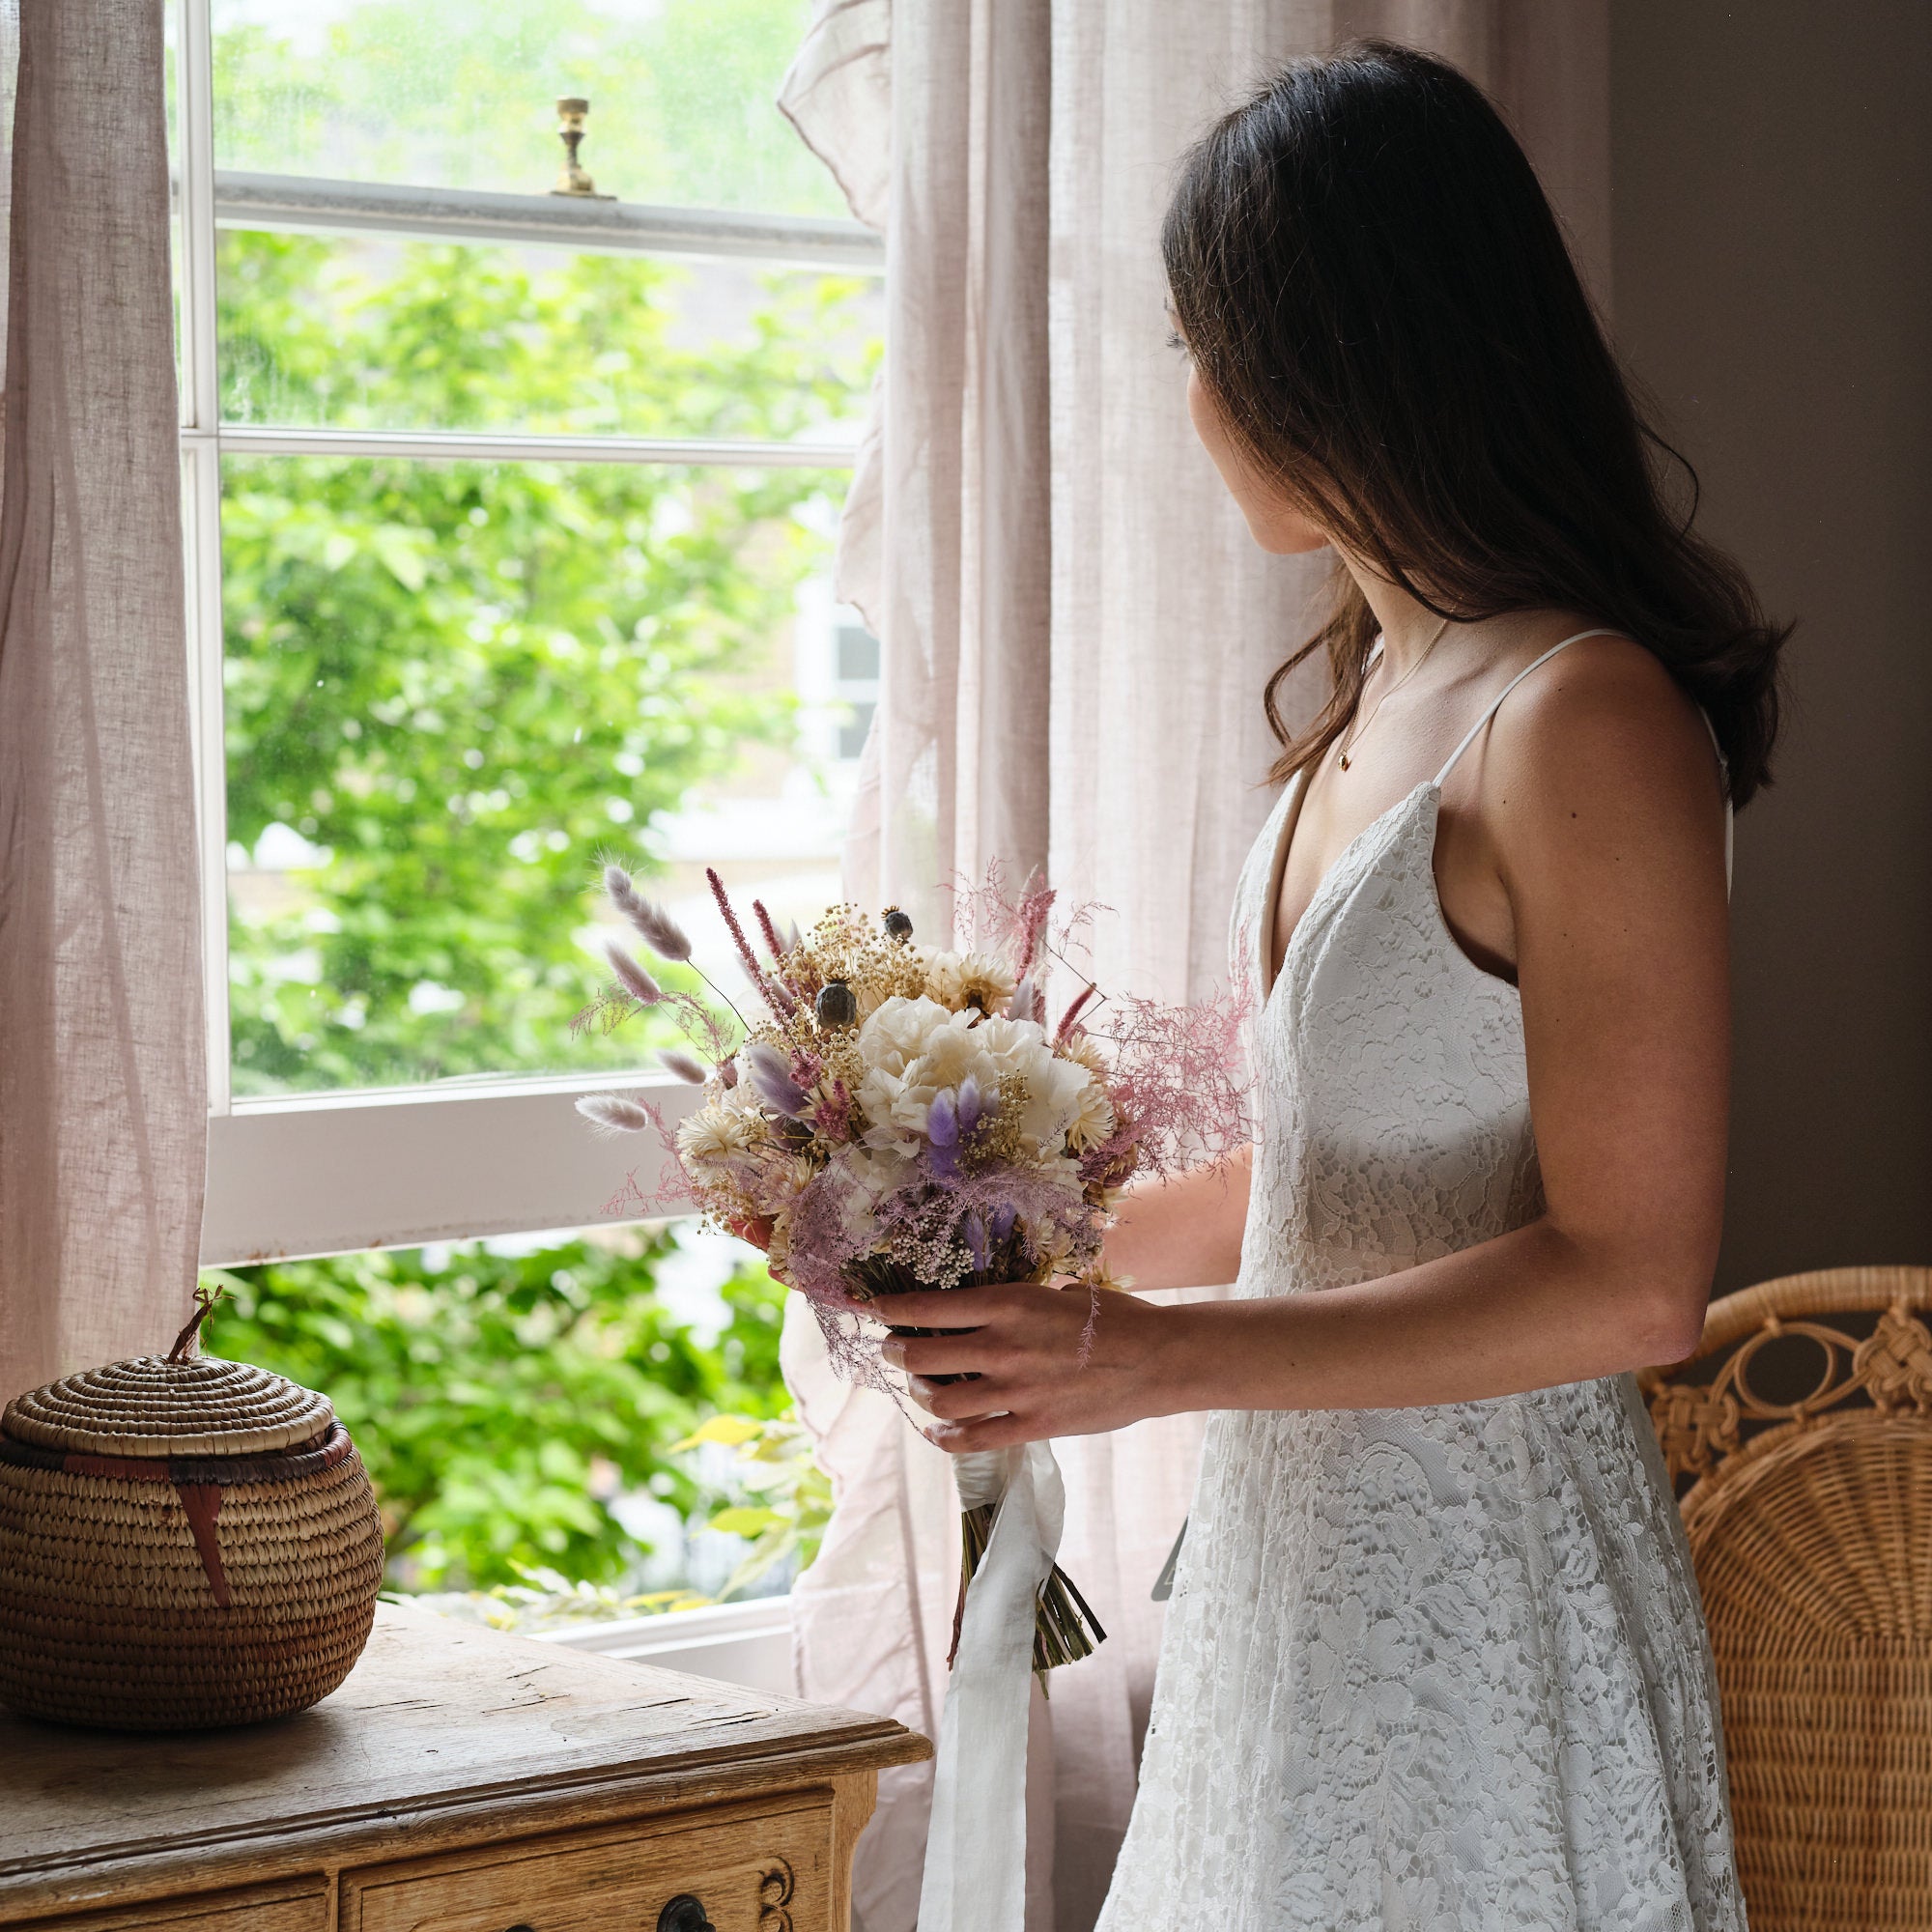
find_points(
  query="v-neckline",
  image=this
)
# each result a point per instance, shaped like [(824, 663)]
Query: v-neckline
[(1284, 843)]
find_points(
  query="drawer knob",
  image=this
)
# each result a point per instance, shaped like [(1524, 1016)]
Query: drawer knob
[(684, 1914)]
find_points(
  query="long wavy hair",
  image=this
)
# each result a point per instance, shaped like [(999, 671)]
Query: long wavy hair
[(1379, 300)]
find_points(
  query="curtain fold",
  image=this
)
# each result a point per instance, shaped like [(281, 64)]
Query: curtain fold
[(102, 1071), (1076, 630)]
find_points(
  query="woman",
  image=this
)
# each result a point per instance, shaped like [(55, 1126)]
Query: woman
[(1434, 1656)]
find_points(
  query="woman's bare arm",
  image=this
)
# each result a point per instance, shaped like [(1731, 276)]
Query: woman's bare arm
[(1184, 1233), (1599, 794)]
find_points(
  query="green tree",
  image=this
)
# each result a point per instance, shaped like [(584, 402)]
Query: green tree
[(458, 95), (464, 682), (503, 1402)]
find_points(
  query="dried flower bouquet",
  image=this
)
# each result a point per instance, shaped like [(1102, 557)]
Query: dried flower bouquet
[(897, 1116)]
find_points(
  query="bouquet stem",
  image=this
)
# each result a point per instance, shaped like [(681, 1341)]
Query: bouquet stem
[(1065, 1627)]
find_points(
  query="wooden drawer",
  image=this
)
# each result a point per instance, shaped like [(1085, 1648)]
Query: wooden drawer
[(299, 1906), (763, 1867)]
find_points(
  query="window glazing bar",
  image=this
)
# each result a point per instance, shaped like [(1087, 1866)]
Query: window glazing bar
[(558, 221), (479, 446)]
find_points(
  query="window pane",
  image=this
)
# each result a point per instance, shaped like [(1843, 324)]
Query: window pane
[(455, 94), (858, 655), (521, 1404), (452, 688), (366, 333)]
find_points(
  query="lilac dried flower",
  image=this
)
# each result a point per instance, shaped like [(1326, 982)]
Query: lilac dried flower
[(632, 977), (661, 933), (972, 1231), (1025, 1002), (970, 1105), (613, 1111), (682, 1064), (941, 1130), (1001, 1225), (770, 1073)]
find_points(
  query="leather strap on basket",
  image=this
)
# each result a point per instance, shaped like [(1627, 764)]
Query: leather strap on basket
[(200, 1502)]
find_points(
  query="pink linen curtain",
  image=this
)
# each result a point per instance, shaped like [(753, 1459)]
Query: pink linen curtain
[(1076, 631), (103, 1076)]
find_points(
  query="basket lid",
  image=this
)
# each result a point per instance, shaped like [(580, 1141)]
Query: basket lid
[(153, 1405)]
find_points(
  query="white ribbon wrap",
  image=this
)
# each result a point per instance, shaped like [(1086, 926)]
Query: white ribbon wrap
[(975, 1852)]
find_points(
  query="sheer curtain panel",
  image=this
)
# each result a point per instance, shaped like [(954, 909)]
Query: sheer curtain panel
[(102, 1074), (1076, 631)]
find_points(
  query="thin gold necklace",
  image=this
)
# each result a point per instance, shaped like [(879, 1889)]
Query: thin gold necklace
[(1355, 736)]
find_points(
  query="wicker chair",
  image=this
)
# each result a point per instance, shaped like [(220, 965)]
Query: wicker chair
[(1800, 1437)]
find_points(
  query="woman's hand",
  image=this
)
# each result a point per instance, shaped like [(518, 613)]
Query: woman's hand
[(1024, 1344)]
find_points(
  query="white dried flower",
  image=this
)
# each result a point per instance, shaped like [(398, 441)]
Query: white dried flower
[(969, 981), (1066, 1105), (1084, 1050), (714, 1134)]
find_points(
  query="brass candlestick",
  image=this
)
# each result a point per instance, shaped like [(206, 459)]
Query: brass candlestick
[(572, 181)]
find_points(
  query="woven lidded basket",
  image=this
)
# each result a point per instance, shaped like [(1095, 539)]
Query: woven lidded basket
[(183, 1542)]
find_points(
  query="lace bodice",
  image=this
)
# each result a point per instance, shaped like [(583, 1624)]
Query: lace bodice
[(1437, 1667)]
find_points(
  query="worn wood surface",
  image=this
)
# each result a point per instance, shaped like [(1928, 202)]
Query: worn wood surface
[(444, 1736)]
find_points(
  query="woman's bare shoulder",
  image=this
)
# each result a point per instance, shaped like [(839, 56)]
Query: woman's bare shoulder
[(1601, 743)]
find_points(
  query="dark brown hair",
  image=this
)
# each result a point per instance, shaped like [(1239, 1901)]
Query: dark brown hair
[(1379, 299)]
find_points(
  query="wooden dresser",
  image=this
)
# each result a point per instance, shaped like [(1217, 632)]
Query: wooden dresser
[(459, 1781)]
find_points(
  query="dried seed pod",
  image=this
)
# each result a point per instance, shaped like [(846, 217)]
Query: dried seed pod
[(897, 924), (837, 1006)]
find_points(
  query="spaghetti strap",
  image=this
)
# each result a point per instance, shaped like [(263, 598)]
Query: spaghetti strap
[(1476, 729)]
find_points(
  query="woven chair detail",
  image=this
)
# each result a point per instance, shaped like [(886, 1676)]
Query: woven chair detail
[(1799, 1436)]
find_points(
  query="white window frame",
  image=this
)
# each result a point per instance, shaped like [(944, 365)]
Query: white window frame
[(331, 1173)]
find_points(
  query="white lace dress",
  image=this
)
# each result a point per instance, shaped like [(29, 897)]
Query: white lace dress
[(1422, 1667)]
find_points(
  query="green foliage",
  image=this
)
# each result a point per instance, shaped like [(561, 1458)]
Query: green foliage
[(500, 1402), (789, 1495), (465, 95), (463, 682), (545, 1599)]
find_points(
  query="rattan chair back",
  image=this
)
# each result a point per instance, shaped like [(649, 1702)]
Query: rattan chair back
[(1800, 1438)]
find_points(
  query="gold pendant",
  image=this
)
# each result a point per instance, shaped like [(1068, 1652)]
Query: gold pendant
[(1344, 760)]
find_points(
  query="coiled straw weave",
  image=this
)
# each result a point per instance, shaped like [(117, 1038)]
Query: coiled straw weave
[(1800, 1437), (184, 1542)]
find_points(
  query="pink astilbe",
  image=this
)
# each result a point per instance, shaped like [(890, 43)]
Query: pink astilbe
[(773, 994), (1035, 904), (1074, 1010), (770, 932), (675, 1191), (1176, 1078), (833, 1116), (990, 918)]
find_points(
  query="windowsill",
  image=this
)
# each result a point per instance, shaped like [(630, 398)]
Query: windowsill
[(747, 1644), (325, 1174)]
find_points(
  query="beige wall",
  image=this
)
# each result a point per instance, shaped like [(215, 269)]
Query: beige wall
[(1772, 226)]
